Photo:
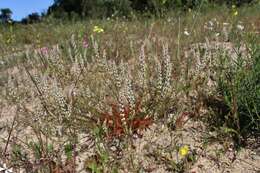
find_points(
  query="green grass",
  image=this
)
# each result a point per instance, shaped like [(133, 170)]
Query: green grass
[(240, 88)]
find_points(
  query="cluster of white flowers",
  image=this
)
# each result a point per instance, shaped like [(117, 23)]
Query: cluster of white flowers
[(122, 107), (65, 108), (226, 30), (96, 49), (143, 68), (76, 51), (129, 93), (127, 79), (159, 74), (114, 72), (167, 70)]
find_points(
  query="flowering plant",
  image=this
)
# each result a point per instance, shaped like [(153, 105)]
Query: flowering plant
[(98, 29), (184, 151)]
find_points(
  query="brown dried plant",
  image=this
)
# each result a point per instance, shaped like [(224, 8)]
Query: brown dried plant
[(119, 122)]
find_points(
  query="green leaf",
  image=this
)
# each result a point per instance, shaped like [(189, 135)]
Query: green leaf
[(68, 150)]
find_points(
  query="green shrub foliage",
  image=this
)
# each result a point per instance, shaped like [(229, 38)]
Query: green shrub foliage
[(107, 8), (240, 87)]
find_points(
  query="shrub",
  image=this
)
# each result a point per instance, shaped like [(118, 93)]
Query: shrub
[(107, 8), (101, 8), (240, 87)]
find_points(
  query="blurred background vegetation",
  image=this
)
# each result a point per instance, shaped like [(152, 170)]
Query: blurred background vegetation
[(65, 17), (108, 8), (78, 9)]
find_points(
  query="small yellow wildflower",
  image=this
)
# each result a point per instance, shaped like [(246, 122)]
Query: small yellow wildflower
[(98, 29), (184, 150), (235, 13)]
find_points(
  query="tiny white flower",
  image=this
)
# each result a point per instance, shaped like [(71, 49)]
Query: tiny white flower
[(186, 33), (217, 34), (240, 27), (225, 24), (211, 23), (163, 126)]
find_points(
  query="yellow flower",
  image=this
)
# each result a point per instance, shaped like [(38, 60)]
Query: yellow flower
[(98, 29), (184, 150), (235, 13)]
